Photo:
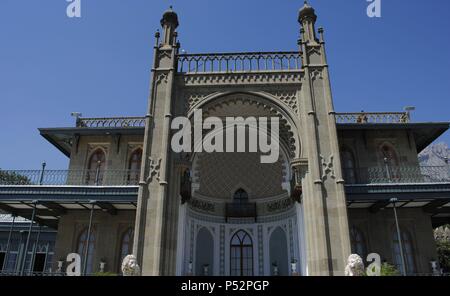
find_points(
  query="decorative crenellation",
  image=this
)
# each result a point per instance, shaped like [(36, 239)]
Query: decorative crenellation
[(241, 78)]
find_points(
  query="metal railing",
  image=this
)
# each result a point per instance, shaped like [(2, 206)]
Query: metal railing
[(114, 122), (31, 273), (397, 174), (373, 117), (239, 62), (70, 177), (240, 210)]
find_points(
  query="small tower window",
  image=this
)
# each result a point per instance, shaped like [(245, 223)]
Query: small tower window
[(240, 196)]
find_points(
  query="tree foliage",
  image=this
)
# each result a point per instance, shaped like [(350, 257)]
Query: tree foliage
[(13, 178), (388, 270), (443, 250)]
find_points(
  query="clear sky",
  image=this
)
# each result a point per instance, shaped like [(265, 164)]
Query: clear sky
[(99, 64)]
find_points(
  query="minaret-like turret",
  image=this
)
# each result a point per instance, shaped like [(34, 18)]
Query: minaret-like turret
[(169, 23), (307, 18), (154, 232)]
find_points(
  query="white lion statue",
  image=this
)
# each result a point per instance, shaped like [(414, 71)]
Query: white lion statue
[(355, 266), (130, 266)]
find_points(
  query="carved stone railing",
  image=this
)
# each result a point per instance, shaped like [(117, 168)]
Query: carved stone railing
[(239, 62), (373, 117), (112, 122)]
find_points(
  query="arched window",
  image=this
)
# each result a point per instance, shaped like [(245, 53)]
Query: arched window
[(81, 249), (348, 166), (240, 196), (278, 252), (134, 167), (241, 254), (390, 162), (126, 244), (408, 251), (204, 253), (358, 242), (96, 168)]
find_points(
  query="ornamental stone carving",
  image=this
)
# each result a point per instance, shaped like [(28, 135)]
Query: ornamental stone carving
[(279, 205), (130, 266), (355, 266), (316, 74), (327, 167), (241, 78), (162, 77), (154, 168), (202, 205), (288, 97)]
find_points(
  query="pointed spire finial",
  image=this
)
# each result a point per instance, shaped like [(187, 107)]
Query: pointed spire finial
[(307, 11)]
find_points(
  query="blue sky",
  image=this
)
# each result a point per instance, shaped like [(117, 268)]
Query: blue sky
[(99, 65)]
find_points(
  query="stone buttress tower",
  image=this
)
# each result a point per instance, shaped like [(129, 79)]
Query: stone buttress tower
[(155, 227), (324, 202)]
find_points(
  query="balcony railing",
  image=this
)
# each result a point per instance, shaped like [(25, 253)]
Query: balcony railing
[(373, 117), (240, 210), (400, 174), (111, 122), (31, 273), (239, 62), (70, 177)]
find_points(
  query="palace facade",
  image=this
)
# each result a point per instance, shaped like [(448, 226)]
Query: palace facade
[(344, 182)]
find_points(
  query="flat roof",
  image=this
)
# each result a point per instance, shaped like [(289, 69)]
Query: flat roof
[(424, 133), (54, 201)]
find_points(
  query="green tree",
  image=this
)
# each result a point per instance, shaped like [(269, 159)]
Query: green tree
[(443, 250), (388, 270), (13, 178)]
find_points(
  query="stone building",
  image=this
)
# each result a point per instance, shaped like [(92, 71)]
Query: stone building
[(332, 191)]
